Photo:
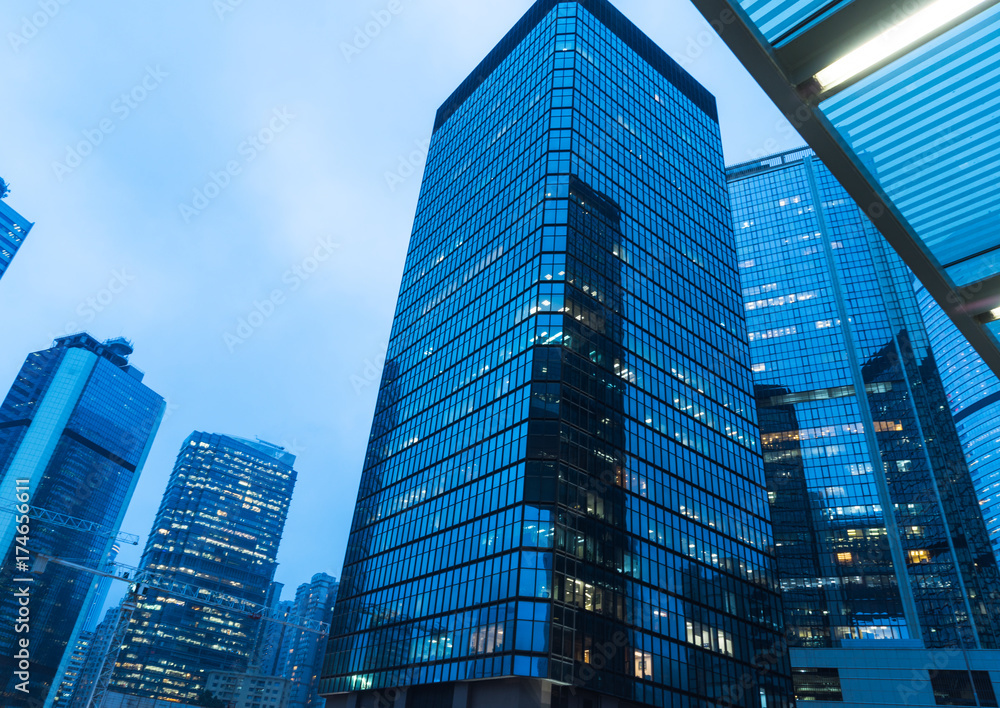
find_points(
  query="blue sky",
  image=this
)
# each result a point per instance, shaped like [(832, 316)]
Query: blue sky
[(208, 159)]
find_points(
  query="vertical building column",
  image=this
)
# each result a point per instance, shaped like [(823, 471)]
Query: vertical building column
[(861, 392), (461, 699)]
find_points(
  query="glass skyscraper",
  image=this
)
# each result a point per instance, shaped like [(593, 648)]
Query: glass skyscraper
[(854, 422), (563, 499), (75, 430), (13, 230), (296, 654), (974, 400), (218, 528), (879, 539)]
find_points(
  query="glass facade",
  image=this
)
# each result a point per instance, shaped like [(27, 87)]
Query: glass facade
[(75, 430), (563, 490), (13, 230), (974, 400), (295, 654), (877, 529), (97, 651), (218, 528)]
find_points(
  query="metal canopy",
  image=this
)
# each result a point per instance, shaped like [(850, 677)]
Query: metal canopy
[(913, 134)]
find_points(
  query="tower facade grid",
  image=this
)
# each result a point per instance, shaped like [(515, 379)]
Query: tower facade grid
[(563, 491)]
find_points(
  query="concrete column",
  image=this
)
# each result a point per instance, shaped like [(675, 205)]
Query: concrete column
[(461, 699)]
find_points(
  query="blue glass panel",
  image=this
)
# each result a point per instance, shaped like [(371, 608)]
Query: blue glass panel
[(777, 20), (927, 127)]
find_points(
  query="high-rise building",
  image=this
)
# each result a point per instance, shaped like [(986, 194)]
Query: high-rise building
[(13, 230), (275, 637), (242, 690), (297, 654), (75, 430), (883, 556), (563, 498), (98, 652), (218, 528), (974, 400), (75, 664)]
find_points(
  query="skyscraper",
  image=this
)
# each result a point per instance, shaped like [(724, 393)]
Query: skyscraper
[(13, 230), (563, 497), (75, 664), (296, 654), (881, 545), (97, 653), (75, 430), (218, 528), (974, 400)]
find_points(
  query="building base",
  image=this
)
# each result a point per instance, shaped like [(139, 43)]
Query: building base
[(494, 693)]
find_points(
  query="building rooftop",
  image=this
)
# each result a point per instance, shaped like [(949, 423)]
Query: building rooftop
[(608, 15), (116, 350)]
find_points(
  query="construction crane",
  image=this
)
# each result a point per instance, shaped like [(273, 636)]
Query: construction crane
[(140, 583), (71, 522)]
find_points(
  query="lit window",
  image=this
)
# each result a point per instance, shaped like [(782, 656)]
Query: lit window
[(643, 665), (888, 426), (845, 557), (921, 556)]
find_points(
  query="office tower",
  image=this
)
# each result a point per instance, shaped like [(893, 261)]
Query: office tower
[(97, 654), (218, 528), (70, 677), (563, 501), (236, 690), (75, 430), (275, 636), (974, 400), (13, 230), (883, 556), (271, 633), (296, 654)]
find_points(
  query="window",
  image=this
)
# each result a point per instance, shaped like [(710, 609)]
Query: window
[(643, 665), (817, 685), (955, 688), (984, 688)]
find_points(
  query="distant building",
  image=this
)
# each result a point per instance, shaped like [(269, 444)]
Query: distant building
[(239, 690), (77, 659), (97, 653), (218, 528), (297, 654), (75, 430), (121, 700), (14, 229), (274, 636)]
